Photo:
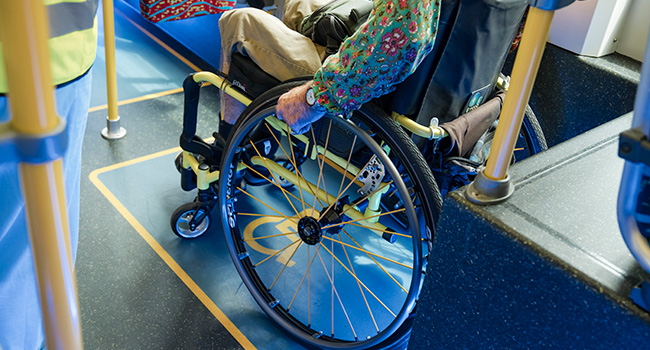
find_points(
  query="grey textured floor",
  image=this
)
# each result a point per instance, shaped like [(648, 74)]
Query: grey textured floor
[(129, 298), (573, 94), (546, 269)]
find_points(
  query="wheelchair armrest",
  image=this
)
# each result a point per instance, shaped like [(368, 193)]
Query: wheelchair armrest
[(188, 140)]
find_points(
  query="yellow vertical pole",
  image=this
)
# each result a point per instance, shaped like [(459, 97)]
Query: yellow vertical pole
[(492, 185), (109, 45), (113, 129), (524, 73), (24, 33)]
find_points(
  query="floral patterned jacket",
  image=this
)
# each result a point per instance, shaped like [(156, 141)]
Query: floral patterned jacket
[(383, 52)]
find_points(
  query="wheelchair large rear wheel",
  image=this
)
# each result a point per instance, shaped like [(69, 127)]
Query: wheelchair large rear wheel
[(321, 257), (530, 141)]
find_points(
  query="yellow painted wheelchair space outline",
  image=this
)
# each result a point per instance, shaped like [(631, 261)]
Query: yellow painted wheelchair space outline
[(138, 99), (284, 225), (214, 309)]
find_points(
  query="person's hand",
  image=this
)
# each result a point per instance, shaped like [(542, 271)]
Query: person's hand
[(293, 109)]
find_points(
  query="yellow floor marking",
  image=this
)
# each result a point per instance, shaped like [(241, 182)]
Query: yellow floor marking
[(138, 99), (189, 282), (166, 47)]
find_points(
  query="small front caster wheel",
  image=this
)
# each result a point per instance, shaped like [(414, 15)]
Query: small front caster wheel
[(190, 220)]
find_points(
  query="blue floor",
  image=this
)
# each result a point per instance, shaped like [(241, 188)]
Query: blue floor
[(140, 286), (203, 264), (143, 67)]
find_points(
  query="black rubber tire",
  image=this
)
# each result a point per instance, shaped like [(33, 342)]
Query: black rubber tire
[(532, 132), (405, 154), (410, 157), (181, 217), (531, 138), (178, 161)]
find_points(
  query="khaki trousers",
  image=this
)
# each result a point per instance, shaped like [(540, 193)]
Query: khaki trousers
[(273, 44)]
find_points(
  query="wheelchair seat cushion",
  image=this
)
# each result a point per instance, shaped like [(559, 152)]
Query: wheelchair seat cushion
[(249, 77)]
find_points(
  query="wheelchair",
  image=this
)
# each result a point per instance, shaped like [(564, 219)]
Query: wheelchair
[(331, 231)]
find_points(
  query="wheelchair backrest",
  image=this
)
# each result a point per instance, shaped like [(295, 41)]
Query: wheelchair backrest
[(473, 41)]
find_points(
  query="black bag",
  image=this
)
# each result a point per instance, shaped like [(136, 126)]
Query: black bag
[(333, 22)]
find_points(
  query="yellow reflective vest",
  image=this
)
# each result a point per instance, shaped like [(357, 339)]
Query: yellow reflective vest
[(72, 43)]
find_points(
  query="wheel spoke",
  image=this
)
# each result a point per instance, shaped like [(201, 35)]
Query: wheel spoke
[(320, 173), (363, 218), (365, 300), (262, 215), (364, 286), (269, 236), (360, 200), (303, 276), (347, 165), (321, 163), (378, 230), (276, 253), (369, 252), (292, 159), (284, 192), (309, 287), (300, 175), (348, 186), (298, 172), (332, 292), (341, 170), (276, 184), (335, 292), (266, 205), (377, 263), (285, 265)]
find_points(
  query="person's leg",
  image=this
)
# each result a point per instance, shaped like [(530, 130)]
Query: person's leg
[(276, 49), (72, 103), (21, 325)]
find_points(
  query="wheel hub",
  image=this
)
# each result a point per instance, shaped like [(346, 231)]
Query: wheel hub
[(309, 230), (330, 218)]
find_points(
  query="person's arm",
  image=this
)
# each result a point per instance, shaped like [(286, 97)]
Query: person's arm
[(382, 53), (299, 108)]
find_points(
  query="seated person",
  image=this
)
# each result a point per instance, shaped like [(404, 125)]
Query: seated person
[(381, 53)]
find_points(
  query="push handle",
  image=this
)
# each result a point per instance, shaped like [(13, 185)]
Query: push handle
[(189, 141), (191, 89)]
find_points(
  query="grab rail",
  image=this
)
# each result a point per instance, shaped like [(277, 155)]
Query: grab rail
[(39, 138), (492, 185), (633, 209)]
